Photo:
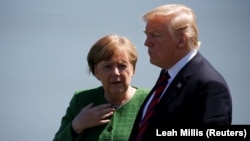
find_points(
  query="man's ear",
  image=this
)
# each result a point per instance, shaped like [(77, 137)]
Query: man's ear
[(182, 43)]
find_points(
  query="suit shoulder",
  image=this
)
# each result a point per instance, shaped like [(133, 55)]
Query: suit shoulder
[(203, 68)]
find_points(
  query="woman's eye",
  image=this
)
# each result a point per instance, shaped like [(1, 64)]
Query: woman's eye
[(107, 66), (123, 66)]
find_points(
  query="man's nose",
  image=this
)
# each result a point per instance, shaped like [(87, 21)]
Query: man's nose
[(147, 42)]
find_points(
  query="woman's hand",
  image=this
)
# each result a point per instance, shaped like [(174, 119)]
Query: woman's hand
[(91, 116)]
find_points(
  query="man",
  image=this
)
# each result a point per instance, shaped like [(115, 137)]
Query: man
[(195, 93)]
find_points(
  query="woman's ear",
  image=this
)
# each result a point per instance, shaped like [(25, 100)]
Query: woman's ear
[(96, 74)]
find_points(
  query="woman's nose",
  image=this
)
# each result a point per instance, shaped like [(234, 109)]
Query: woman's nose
[(116, 71)]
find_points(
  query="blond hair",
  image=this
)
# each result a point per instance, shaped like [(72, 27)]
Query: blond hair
[(105, 47), (182, 22)]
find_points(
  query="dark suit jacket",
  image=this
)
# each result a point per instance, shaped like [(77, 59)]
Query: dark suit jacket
[(198, 95)]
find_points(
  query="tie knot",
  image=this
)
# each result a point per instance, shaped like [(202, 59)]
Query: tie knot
[(163, 79), (164, 73)]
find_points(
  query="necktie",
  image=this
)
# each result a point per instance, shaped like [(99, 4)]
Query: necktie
[(159, 88)]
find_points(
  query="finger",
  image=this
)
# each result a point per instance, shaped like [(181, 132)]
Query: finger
[(88, 106), (104, 121), (107, 115), (103, 106), (106, 110)]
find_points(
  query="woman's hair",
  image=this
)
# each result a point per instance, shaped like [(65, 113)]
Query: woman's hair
[(182, 22), (105, 47)]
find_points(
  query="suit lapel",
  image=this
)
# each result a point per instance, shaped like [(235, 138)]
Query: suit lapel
[(175, 88), (180, 81)]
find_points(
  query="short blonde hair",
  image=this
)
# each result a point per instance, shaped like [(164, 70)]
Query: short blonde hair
[(105, 47), (182, 21)]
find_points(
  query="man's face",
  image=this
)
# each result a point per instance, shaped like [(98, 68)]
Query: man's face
[(162, 49)]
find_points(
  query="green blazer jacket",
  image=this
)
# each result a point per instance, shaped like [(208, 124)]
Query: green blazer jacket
[(120, 126)]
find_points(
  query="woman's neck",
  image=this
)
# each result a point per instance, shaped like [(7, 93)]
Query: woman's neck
[(121, 99)]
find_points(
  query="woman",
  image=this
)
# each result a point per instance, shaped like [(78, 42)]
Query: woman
[(106, 112)]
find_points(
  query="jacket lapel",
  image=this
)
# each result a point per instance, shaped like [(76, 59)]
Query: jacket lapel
[(175, 89), (180, 81)]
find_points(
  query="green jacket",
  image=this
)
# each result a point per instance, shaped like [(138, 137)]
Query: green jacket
[(118, 129)]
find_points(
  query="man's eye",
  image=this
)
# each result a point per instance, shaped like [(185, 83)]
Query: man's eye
[(155, 35)]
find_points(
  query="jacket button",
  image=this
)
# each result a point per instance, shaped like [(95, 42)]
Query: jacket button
[(110, 128)]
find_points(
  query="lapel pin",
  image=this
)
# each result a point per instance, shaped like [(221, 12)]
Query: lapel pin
[(179, 85)]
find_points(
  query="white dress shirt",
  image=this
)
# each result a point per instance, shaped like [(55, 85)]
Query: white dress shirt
[(173, 72)]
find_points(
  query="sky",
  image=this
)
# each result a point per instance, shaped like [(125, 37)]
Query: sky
[(44, 43)]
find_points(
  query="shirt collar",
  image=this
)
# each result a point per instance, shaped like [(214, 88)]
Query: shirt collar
[(181, 63)]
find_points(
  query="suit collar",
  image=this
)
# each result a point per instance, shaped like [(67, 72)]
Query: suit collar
[(181, 78), (173, 71)]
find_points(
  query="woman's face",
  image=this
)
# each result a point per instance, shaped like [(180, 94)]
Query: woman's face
[(116, 73)]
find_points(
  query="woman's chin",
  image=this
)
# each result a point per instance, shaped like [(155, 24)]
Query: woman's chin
[(117, 88)]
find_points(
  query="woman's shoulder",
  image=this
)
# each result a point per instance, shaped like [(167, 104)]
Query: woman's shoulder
[(142, 91), (88, 92), (86, 96), (140, 94)]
